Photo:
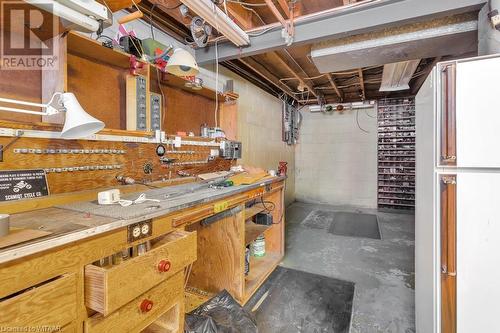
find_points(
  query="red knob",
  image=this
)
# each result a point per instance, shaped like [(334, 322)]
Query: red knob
[(164, 266), (146, 305)]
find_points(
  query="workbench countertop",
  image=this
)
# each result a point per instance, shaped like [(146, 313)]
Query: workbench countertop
[(81, 220)]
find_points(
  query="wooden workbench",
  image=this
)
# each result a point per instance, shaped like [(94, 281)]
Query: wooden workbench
[(55, 282)]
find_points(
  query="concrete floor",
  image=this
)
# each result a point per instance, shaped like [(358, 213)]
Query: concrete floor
[(382, 270)]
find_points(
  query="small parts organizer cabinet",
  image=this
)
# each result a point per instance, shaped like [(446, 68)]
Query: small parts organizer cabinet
[(62, 290)]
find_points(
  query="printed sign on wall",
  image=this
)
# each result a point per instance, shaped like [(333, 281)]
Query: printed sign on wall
[(23, 184)]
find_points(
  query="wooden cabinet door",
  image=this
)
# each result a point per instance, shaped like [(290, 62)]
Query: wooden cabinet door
[(448, 254)]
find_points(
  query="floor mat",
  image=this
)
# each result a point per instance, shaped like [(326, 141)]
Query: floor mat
[(344, 223), (355, 225), (295, 301)]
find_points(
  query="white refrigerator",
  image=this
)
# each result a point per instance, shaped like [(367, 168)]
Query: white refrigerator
[(457, 213)]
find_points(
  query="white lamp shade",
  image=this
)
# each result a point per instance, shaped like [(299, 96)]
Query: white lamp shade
[(182, 63), (78, 124)]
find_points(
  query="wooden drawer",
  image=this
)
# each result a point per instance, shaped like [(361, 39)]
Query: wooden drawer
[(134, 316), (71, 328), (109, 288), (172, 321), (52, 303)]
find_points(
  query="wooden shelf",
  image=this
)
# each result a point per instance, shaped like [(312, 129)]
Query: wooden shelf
[(254, 210), (253, 230), (260, 269), (89, 48)]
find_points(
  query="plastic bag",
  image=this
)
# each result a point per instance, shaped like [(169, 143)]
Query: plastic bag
[(221, 314)]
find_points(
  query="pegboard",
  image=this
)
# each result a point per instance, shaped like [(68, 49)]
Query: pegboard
[(75, 165)]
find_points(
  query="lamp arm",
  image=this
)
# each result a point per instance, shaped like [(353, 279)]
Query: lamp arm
[(48, 108), (38, 113), (15, 101)]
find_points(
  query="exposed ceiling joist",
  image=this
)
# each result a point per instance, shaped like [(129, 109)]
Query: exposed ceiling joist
[(242, 16), (362, 83), (283, 63), (362, 17), (284, 6), (264, 73), (335, 87), (276, 13)]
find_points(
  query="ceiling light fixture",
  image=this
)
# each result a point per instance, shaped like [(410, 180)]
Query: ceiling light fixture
[(78, 123), (182, 63), (80, 15), (214, 16), (397, 76)]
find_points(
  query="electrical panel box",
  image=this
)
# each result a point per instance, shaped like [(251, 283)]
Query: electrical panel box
[(230, 150), (137, 103), (156, 111), (291, 124)]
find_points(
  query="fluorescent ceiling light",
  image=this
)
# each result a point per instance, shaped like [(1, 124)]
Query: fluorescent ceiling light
[(397, 76), (346, 106), (79, 15), (214, 16)]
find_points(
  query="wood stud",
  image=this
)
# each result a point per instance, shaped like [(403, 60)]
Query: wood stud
[(362, 83)]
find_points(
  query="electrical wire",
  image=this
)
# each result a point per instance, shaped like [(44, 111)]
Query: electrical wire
[(164, 100), (255, 12), (262, 4), (3, 148), (261, 32), (151, 21), (270, 210), (216, 81), (104, 36), (366, 112), (357, 122)]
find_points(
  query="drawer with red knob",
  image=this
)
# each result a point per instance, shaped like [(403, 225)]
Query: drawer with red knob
[(109, 288), (144, 310)]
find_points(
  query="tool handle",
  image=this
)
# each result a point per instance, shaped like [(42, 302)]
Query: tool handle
[(130, 17)]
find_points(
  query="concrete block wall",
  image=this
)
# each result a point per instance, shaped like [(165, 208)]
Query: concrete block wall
[(259, 126), (336, 162)]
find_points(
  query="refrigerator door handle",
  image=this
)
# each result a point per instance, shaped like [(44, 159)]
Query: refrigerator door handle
[(448, 253), (448, 115)]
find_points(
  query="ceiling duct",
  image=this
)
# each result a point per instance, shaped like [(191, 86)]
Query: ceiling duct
[(441, 37), (397, 76)]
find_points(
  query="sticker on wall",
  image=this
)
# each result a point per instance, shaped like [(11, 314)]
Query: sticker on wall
[(23, 184)]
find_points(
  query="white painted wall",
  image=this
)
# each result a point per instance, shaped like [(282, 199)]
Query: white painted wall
[(336, 162)]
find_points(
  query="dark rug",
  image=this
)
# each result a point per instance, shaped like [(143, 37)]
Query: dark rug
[(344, 223), (302, 302), (355, 225)]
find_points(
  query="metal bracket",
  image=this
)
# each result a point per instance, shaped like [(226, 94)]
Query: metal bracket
[(449, 158), (449, 180)]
